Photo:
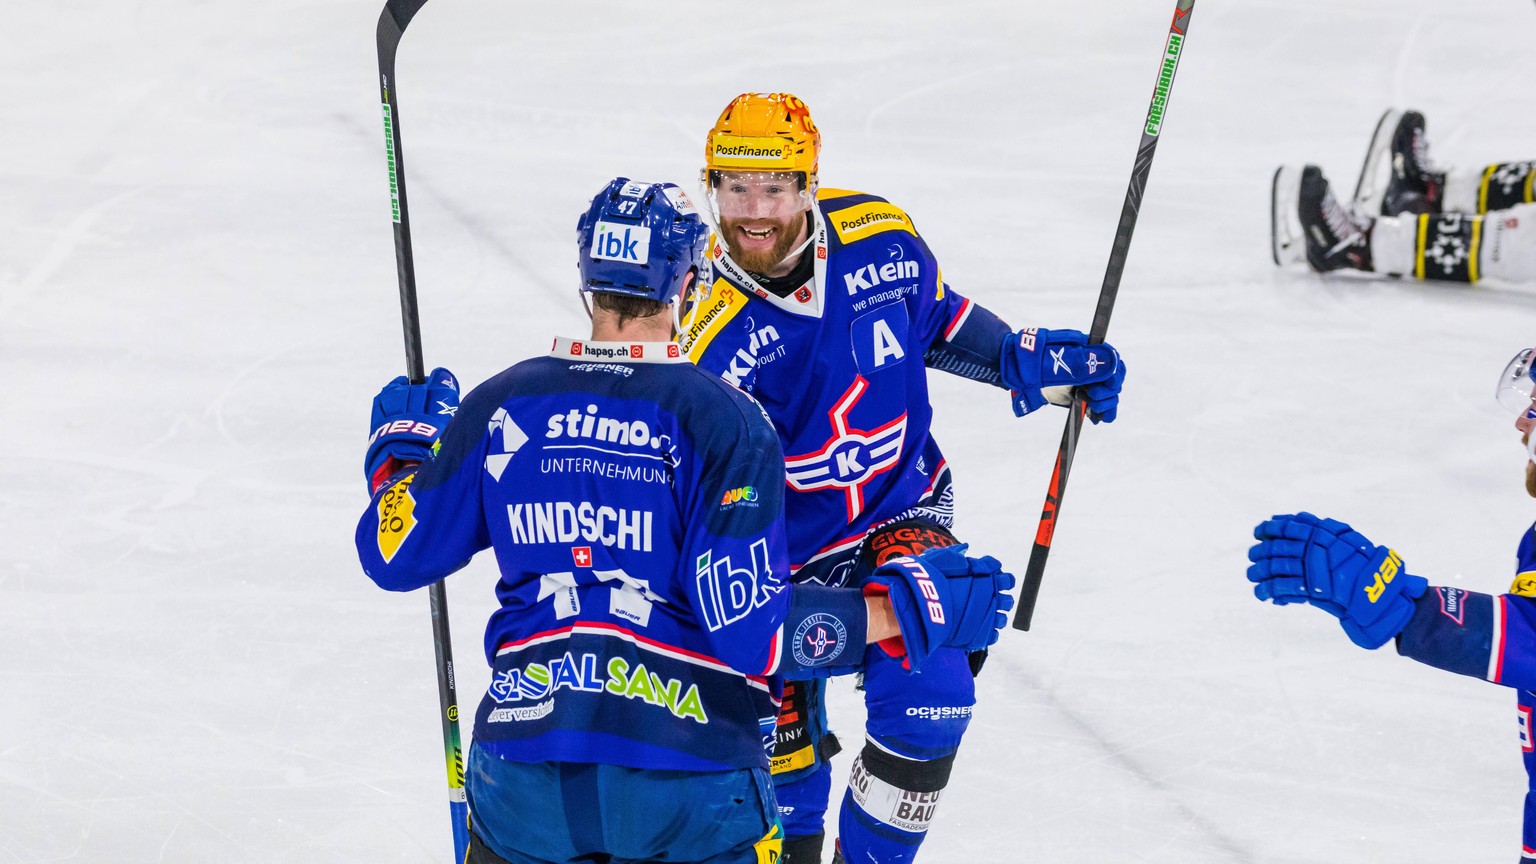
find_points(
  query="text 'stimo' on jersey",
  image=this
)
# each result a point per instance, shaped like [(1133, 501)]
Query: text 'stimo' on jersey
[(634, 509)]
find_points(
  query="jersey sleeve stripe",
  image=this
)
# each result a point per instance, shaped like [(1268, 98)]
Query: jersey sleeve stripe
[(1496, 654), (775, 648), (934, 478), (958, 320)]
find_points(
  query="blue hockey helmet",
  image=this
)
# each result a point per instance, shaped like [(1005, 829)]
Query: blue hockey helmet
[(639, 239)]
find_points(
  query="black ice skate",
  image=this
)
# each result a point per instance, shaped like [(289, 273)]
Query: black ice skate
[(1397, 176), (1308, 223)]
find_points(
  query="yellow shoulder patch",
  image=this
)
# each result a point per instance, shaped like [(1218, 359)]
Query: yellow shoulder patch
[(824, 193), (867, 220), (1525, 584), (397, 517), (708, 317)]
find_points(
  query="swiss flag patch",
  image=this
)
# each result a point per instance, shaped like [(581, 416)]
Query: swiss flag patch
[(582, 555)]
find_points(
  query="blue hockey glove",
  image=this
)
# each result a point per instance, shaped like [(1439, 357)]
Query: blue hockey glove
[(942, 598), (1301, 558), (1035, 359), (1104, 396), (407, 420)]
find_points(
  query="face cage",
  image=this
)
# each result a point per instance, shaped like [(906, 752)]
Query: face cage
[(1517, 388), (1517, 393), (709, 180)]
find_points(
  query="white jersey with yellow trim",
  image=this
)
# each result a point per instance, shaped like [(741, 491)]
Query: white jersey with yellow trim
[(839, 366)]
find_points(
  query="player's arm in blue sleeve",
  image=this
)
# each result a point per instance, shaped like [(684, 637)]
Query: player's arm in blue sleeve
[(736, 564), (1324, 563), (957, 335), (963, 338), (1486, 636), (971, 343), (428, 522)]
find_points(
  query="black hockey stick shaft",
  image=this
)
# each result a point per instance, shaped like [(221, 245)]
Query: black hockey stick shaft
[(1173, 48), (393, 20)]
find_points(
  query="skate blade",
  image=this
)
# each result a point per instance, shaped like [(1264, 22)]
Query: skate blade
[(1287, 243), (1376, 170)]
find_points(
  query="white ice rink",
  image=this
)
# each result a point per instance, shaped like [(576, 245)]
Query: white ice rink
[(197, 301)]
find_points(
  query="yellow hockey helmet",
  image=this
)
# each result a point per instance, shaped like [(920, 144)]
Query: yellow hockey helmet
[(763, 132)]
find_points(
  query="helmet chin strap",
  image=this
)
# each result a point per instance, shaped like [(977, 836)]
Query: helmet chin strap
[(677, 314), (809, 236), (711, 214)]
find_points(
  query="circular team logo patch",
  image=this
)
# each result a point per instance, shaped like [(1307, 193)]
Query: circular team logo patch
[(819, 640)]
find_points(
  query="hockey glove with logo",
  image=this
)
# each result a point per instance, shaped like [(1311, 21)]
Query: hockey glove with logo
[(942, 598), (1301, 558), (1042, 366), (407, 420)]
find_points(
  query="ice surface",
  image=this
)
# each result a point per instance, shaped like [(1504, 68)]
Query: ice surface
[(197, 300)]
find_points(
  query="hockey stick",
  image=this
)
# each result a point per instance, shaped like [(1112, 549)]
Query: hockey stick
[(393, 20), (1172, 49)]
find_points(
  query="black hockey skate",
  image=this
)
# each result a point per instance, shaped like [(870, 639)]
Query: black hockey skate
[(1397, 176), (1308, 223)]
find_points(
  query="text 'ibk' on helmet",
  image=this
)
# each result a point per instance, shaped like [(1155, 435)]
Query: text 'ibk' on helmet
[(640, 239)]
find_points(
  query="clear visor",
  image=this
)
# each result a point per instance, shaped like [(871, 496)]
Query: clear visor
[(773, 195), (1517, 389)]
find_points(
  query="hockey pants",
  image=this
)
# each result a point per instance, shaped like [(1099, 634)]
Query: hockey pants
[(564, 813)]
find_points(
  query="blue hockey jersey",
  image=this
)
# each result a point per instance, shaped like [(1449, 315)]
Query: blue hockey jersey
[(840, 367), (1489, 637), (634, 504)]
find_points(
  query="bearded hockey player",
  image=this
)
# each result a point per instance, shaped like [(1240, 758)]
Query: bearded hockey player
[(1303, 559), (634, 504), (1408, 217), (827, 306)]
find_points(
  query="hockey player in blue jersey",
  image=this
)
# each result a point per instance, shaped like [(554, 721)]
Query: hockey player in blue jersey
[(827, 306), (634, 504), (1303, 559)]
